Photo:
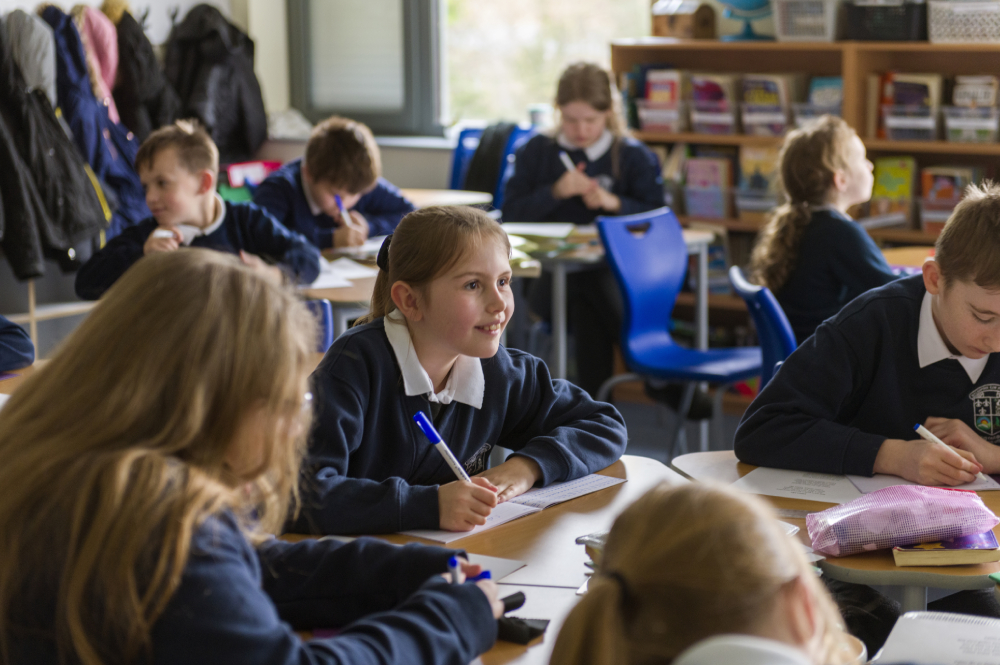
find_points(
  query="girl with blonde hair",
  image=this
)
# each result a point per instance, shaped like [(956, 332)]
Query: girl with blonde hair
[(431, 344), (143, 467), (611, 174), (812, 255), (697, 561)]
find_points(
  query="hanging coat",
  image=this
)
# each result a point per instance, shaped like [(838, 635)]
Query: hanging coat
[(100, 44), (146, 101), (108, 147), (210, 64), (63, 204), (34, 51)]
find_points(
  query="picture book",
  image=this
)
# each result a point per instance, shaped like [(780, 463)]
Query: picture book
[(728, 152), (826, 91), (772, 89), (915, 89), (923, 638), (713, 88), (980, 548), (667, 85), (893, 192), (945, 184), (758, 167), (975, 91), (707, 173)]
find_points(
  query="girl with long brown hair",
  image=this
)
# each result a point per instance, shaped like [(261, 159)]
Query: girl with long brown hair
[(432, 344), (812, 255), (694, 562), (143, 467)]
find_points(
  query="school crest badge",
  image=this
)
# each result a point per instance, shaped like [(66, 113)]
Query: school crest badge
[(478, 462), (986, 411)]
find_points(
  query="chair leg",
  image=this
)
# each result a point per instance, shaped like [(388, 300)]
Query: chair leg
[(605, 390), (682, 413), (717, 418)]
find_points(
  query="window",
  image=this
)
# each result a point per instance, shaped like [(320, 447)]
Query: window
[(504, 55)]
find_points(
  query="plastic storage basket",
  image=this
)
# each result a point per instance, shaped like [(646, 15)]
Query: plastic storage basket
[(902, 21), (971, 125), (805, 20), (952, 21), (661, 116)]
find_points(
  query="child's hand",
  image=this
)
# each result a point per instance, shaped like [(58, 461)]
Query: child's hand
[(158, 241), (514, 477), (601, 199), (359, 221), (926, 463), (352, 233), (272, 273), (492, 593), (956, 433), (573, 183), (464, 505)]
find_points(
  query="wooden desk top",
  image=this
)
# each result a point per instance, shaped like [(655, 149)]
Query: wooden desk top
[(867, 568), (550, 603), (912, 257), (424, 198)]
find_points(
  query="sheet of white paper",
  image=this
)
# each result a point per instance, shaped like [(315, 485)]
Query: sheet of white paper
[(790, 529), (539, 229), (328, 280), (499, 568), (543, 497), (3, 399), (502, 514), (926, 638), (349, 269), (881, 480), (798, 485)]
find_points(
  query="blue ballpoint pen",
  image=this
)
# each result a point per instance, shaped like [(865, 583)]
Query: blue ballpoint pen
[(345, 215), (425, 425)]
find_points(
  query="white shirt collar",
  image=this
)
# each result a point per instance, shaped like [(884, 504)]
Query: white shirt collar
[(931, 347), (742, 650), (190, 232), (595, 150), (466, 383), (313, 207)]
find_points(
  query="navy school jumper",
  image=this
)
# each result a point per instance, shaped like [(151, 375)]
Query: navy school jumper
[(370, 470), (16, 348), (237, 605), (282, 195), (245, 227), (858, 382), (528, 195)]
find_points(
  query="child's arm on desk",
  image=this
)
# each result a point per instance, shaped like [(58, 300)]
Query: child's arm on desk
[(105, 267), (383, 207), (958, 434), (926, 463)]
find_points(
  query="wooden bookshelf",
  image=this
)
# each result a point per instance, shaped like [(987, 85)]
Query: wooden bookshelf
[(902, 236), (705, 139), (737, 225)]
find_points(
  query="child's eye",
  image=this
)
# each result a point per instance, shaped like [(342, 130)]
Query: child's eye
[(988, 320), (504, 281), (472, 285)]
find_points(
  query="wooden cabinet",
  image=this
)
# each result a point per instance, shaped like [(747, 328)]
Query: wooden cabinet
[(853, 61)]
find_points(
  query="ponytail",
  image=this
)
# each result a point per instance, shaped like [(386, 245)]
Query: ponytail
[(594, 633), (777, 252)]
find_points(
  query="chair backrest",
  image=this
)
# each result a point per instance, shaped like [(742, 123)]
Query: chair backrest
[(468, 141), (518, 137), (323, 311), (774, 333), (648, 256)]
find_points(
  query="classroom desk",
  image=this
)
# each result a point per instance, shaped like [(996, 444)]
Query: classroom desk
[(545, 541), (877, 568), (908, 257), (424, 198)]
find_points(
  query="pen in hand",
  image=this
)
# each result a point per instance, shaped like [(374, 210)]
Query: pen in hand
[(927, 435), (425, 425)]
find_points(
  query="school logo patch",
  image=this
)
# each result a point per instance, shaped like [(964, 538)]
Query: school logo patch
[(986, 411), (477, 463), (605, 181)]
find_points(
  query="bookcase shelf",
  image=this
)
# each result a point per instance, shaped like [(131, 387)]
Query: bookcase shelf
[(934, 147), (706, 139), (903, 236), (737, 225)]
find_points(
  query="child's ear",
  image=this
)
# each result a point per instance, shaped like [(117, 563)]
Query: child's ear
[(803, 618), (406, 300), (206, 181), (933, 279), (839, 181)]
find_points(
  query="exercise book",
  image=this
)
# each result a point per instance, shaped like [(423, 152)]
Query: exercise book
[(530, 502), (936, 638), (881, 480)]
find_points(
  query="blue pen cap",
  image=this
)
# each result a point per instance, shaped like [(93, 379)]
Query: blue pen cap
[(485, 575), (916, 427), (425, 425), (453, 562)]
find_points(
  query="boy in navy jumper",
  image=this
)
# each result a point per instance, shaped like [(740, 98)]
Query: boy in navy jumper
[(432, 343), (342, 160), (16, 348), (178, 166)]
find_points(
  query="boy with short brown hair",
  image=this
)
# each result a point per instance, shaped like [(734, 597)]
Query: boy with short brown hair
[(341, 171), (178, 166)]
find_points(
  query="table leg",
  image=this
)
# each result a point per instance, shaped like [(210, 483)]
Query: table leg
[(702, 328), (914, 599), (559, 320)]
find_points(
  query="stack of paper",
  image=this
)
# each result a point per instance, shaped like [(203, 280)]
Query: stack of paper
[(926, 638), (338, 274)]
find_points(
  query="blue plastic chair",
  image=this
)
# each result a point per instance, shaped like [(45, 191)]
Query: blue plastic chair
[(323, 311), (649, 259), (465, 148), (774, 332)]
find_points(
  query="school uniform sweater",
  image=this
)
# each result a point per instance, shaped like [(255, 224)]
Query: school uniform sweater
[(282, 195), (16, 348), (858, 382), (239, 605), (244, 226), (537, 166), (837, 262), (370, 470)]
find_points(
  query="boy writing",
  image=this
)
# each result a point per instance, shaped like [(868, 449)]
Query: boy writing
[(341, 171), (920, 350), (178, 166)]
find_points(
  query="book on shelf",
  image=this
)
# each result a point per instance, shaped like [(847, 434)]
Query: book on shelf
[(714, 88), (915, 89), (980, 548), (892, 194), (975, 91), (772, 89), (873, 118), (826, 91), (945, 184), (730, 153), (707, 173), (667, 86), (759, 167)]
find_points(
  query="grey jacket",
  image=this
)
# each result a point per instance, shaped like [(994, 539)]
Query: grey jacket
[(34, 49)]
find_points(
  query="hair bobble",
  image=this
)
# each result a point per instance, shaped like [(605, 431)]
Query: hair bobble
[(382, 260), (623, 587)]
